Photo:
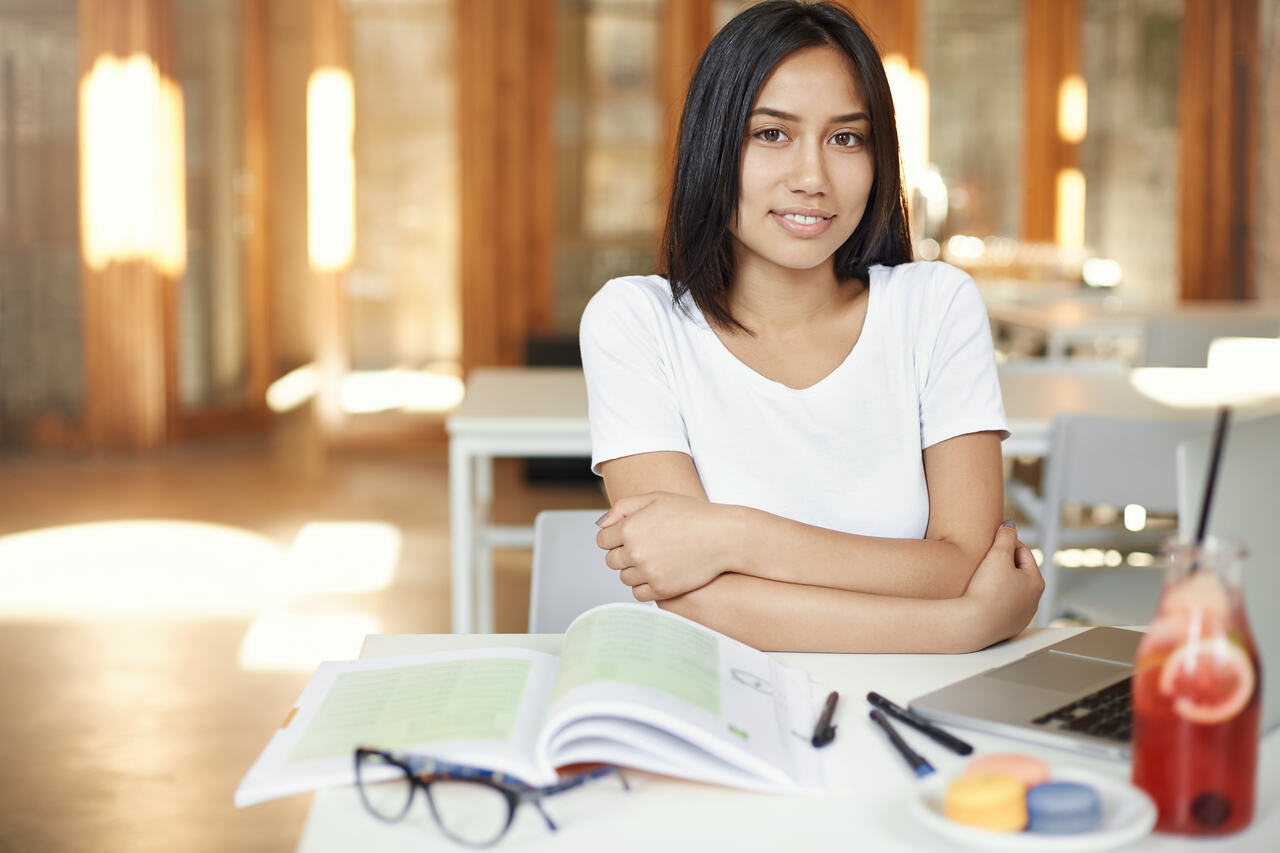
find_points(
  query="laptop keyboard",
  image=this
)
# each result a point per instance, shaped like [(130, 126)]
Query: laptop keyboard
[(1106, 713)]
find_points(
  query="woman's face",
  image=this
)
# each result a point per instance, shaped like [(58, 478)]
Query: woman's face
[(807, 167)]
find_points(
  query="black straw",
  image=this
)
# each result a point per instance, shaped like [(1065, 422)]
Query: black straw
[(1219, 438)]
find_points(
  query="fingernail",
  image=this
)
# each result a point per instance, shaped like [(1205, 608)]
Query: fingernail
[(600, 520), (1009, 522)]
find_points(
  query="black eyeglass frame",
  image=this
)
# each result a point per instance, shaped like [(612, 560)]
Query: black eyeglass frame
[(422, 771)]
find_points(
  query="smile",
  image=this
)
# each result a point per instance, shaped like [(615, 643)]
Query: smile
[(803, 220), (803, 225)]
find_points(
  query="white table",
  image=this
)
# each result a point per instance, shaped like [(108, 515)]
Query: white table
[(507, 412), (869, 812), (541, 411)]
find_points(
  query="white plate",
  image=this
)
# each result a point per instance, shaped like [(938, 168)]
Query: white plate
[(1127, 815)]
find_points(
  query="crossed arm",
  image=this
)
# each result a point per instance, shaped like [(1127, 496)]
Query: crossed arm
[(780, 584)]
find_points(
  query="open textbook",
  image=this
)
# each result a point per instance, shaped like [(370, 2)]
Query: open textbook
[(634, 686)]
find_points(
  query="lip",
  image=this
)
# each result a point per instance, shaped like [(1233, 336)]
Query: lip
[(800, 229)]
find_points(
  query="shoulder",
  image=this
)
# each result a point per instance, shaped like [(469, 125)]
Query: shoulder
[(634, 301), (927, 279), (630, 294), (929, 290)]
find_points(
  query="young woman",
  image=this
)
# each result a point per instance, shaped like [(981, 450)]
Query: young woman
[(799, 429)]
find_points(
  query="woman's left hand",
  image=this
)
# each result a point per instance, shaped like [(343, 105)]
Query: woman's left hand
[(664, 545)]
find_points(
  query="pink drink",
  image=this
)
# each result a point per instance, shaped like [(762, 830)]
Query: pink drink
[(1197, 697)]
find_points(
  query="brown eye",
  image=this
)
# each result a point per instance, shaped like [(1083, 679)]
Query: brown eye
[(771, 134), (847, 140)]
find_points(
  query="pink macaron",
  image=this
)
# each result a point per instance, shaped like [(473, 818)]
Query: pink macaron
[(1030, 771)]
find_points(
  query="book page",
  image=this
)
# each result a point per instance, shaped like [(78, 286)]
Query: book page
[(479, 707), (655, 679), (631, 646), (396, 707)]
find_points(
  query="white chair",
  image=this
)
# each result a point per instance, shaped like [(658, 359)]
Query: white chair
[(1099, 460), (569, 572)]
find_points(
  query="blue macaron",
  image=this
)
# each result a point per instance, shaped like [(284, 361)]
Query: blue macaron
[(1063, 807)]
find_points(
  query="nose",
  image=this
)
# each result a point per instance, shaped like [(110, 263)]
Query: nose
[(808, 173)]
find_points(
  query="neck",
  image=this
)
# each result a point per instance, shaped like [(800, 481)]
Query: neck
[(781, 300)]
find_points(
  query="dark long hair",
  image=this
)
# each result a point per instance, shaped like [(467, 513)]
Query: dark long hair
[(697, 245)]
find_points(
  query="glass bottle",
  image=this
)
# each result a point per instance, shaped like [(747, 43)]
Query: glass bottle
[(1197, 696)]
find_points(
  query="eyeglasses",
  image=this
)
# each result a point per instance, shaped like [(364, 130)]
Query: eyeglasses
[(471, 806)]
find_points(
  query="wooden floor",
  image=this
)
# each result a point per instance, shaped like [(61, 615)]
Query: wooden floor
[(160, 613)]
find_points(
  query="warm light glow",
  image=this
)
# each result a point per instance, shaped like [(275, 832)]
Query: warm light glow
[(1073, 109), (1202, 387), (1254, 362), (280, 640), (331, 169), (132, 166), (1135, 517), (1069, 215), (962, 248), (365, 391), (936, 198), (343, 556), (910, 88), (293, 389), (138, 568), (1101, 272)]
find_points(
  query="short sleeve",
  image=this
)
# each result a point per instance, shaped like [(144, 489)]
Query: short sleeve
[(632, 404), (960, 392)]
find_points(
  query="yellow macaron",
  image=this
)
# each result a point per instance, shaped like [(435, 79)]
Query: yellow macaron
[(993, 801)]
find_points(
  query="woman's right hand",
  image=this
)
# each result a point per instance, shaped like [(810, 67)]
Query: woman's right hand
[(1004, 590)]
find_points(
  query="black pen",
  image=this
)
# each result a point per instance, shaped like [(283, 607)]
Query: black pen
[(913, 758), (948, 740), (824, 732)]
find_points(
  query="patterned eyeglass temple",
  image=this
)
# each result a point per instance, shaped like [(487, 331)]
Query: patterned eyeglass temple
[(423, 770)]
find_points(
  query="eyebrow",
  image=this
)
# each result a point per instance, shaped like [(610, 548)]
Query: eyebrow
[(785, 116)]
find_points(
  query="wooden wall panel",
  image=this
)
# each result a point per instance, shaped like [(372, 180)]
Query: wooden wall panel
[(256, 199), (684, 29), (893, 24), (1052, 39), (1218, 102), (128, 321), (505, 88)]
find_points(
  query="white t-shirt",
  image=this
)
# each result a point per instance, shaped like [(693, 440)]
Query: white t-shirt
[(844, 453)]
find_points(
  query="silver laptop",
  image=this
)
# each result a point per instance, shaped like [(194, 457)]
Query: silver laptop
[(1074, 694)]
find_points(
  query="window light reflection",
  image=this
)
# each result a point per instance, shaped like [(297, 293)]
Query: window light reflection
[(283, 640), (1073, 109), (343, 556), (132, 186), (331, 169), (910, 88), (368, 391), (140, 567), (151, 568), (1069, 215)]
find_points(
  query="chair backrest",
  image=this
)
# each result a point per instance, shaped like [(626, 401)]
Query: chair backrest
[(569, 572), (1117, 461), (1246, 507), (1101, 460), (1182, 340)]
